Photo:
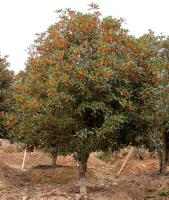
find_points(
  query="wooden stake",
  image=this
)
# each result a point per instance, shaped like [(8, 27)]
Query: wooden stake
[(124, 162), (37, 160), (24, 158)]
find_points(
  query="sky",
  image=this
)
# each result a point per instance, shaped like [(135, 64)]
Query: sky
[(20, 20)]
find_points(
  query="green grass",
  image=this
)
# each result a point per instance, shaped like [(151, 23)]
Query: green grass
[(164, 193), (151, 189)]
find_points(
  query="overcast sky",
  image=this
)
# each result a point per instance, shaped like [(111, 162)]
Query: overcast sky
[(20, 20)]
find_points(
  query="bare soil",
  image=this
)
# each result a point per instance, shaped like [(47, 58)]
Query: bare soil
[(138, 181)]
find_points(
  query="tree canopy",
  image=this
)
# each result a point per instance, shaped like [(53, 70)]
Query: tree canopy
[(6, 79)]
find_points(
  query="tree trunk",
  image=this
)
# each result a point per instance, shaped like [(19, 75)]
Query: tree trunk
[(163, 154), (82, 175), (141, 153), (54, 159), (163, 163), (167, 153)]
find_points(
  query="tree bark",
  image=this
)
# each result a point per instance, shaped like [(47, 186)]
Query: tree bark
[(163, 164), (163, 154), (82, 174), (54, 159), (167, 153)]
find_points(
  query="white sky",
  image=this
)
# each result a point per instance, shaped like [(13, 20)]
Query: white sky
[(21, 19)]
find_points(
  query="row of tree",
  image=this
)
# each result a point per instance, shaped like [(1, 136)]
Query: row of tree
[(89, 86)]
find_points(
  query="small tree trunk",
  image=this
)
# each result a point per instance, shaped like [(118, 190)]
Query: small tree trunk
[(54, 159), (82, 175), (167, 154), (163, 154), (140, 153), (163, 160), (54, 162), (162, 163)]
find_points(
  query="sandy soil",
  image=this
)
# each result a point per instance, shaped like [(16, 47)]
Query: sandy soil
[(138, 181)]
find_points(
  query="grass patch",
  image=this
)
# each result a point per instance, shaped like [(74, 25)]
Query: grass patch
[(164, 193), (151, 189)]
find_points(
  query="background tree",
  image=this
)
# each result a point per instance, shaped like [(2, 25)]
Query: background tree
[(148, 125), (163, 138), (6, 79)]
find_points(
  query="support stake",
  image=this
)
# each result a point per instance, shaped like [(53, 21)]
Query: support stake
[(124, 162), (36, 161), (24, 158)]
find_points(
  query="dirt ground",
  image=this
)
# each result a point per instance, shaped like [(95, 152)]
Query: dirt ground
[(138, 181)]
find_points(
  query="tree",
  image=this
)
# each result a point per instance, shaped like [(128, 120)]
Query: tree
[(148, 124), (6, 79), (73, 93), (163, 137), (80, 90)]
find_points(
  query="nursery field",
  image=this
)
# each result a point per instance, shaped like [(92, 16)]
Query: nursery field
[(138, 180)]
